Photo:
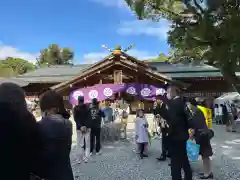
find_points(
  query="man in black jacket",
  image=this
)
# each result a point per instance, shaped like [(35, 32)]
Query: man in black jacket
[(81, 114), (178, 134), (160, 113), (96, 118)]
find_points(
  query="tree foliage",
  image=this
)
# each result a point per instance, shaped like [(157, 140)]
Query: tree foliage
[(202, 30), (55, 55), (161, 58), (14, 66)]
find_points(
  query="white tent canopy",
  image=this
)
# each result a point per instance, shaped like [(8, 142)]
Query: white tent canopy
[(228, 98)]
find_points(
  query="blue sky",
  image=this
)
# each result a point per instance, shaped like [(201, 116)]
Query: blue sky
[(27, 26)]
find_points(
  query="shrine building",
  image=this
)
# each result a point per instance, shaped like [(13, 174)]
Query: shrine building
[(121, 72)]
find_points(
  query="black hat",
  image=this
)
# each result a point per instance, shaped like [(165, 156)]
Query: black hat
[(193, 101), (80, 99), (94, 101)]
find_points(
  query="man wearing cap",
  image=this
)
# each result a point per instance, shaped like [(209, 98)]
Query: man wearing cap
[(81, 115)]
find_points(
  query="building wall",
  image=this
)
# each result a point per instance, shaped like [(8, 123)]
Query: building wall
[(37, 88), (214, 87), (199, 87)]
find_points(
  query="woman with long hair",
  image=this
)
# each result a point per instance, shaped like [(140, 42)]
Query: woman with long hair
[(20, 143), (56, 133)]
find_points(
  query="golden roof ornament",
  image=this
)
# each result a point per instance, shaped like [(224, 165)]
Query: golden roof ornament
[(118, 49)]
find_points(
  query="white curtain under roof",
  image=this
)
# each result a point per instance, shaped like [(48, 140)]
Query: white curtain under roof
[(228, 98)]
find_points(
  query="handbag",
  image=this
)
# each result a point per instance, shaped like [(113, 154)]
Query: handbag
[(209, 133), (192, 150)]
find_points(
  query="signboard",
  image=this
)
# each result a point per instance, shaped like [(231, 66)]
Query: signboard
[(203, 94), (105, 91)]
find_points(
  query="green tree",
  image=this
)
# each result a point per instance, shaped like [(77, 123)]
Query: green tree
[(15, 66), (161, 58), (205, 31), (54, 55)]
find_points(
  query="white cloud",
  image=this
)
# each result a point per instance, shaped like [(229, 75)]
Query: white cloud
[(9, 51), (96, 56), (144, 27), (112, 3)]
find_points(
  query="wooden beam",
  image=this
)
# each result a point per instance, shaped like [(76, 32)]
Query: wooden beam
[(156, 75), (148, 70), (143, 72), (85, 74), (108, 63)]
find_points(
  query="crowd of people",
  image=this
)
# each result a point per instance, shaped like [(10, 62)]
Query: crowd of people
[(41, 150), (89, 119), (180, 120), (31, 149), (88, 123), (226, 114)]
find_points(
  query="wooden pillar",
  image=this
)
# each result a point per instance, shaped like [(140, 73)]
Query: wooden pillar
[(117, 76)]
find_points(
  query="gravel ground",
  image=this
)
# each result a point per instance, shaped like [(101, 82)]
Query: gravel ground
[(226, 159), (119, 162)]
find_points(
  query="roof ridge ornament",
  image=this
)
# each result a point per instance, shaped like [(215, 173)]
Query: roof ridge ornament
[(118, 49)]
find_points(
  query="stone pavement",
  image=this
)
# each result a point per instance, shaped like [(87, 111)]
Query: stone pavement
[(226, 159), (119, 162)]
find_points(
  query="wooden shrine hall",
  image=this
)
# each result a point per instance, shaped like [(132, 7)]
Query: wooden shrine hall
[(120, 68)]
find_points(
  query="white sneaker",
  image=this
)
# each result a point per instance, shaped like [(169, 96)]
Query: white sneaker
[(85, 159), (79, 161), (90, 154), (98, 153), (136, 151)]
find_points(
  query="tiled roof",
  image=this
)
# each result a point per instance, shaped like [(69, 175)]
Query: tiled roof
[(167, 67), (61, 73), (15, 81), (194, 74), (67, 70), (45, 79), (61, 70)]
